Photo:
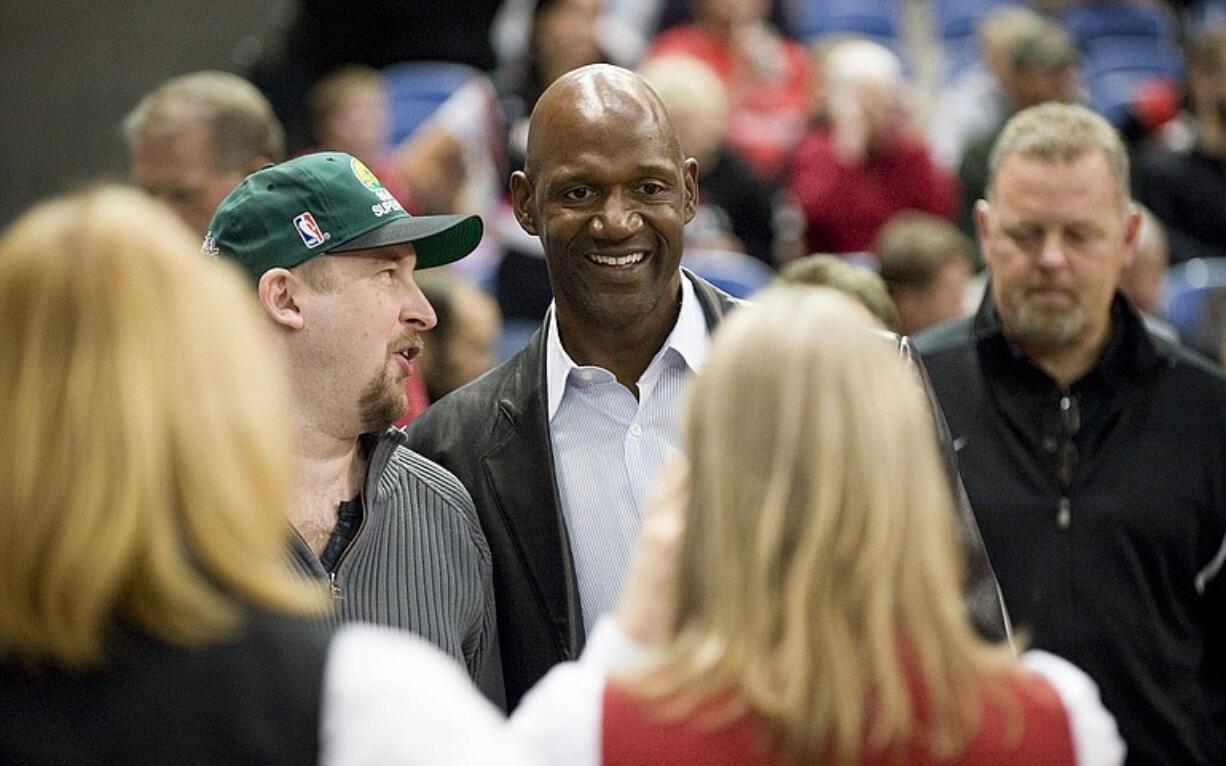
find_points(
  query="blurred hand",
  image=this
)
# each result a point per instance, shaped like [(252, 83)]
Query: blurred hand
[(647, 611), (849, 125), (760, 50)]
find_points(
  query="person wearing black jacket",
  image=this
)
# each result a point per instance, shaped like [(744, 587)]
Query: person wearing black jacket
[(1094, 453), (555, 445)]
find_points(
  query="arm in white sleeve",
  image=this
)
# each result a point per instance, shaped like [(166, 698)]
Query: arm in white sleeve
[(1096, 739), (560, 718), (391, 697)]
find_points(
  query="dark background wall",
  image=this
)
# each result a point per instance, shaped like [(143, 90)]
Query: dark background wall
[(71, 69)]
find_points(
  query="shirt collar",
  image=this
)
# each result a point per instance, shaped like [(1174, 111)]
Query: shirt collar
[(689, 339)]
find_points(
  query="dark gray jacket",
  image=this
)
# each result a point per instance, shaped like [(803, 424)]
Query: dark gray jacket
[(494, 435)]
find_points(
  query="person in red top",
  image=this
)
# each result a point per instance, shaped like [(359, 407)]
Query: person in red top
[(769, 78), (813, 613), (853, 173)]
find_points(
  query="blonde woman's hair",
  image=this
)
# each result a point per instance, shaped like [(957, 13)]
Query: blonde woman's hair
[(819, 573), (1061, 133), (142, 470)]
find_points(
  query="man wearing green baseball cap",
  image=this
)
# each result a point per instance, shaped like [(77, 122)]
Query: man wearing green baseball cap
[(331, 254)]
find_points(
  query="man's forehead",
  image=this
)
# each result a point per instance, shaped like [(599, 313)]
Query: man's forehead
[(594, 106)]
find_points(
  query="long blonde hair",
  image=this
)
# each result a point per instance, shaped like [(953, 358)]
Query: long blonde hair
[(142, 469), (819, 547)]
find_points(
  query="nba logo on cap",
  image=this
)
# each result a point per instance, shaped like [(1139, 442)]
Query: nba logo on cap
[(311, 235)]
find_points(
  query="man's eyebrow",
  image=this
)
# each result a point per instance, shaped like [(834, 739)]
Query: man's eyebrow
[(567, 176)]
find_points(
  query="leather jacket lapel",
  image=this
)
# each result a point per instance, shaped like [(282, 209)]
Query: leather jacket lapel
[(520, 471)]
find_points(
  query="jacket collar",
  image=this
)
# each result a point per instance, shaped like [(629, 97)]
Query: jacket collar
[(1129, 351)]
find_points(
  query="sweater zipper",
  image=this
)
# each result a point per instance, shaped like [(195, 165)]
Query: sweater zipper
[(338, 593)]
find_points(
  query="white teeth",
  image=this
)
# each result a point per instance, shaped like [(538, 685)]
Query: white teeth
[(624, 260)]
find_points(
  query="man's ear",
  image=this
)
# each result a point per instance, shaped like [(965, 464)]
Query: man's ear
[(983, 220), (689, 181), (521, 201), (1132, 234), (278, 291)]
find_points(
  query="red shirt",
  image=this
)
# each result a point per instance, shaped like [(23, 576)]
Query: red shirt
[(846, 205), (767, 115), (633, 736)]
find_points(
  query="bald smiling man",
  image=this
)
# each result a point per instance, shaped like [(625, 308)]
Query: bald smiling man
[(559, 445)]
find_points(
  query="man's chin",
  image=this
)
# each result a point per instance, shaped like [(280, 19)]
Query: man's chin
[(378, 414), (1046, 329)]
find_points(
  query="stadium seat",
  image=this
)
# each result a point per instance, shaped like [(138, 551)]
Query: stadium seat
[(1195, 303), (737, 274), (879, 21)]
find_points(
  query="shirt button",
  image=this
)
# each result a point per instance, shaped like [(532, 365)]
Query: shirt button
[(586, 374), (636, 430)]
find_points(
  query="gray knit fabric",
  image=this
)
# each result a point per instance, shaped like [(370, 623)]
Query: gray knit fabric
[(420, 562)]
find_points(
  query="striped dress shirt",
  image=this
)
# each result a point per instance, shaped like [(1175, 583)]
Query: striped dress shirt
[(608, 447)]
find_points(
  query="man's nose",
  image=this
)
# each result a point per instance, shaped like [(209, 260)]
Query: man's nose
[(1052, 253), (619, 218), (416, 309)]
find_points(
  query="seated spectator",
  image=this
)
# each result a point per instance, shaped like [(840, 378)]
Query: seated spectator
[(735, 208), (823, 270), (769, 78), (854, 174), (1041, 66), (926, 264), (976, 102), (462, 346), (348, 112), (1144, 279), (195, 137), (150, 615), (1186, 187), (815, 615), (562, 36)]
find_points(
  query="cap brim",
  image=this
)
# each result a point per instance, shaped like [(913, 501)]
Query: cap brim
[(437, 239)]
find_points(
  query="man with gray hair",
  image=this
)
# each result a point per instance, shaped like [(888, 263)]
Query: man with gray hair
[(196, 136), (1094, 452)]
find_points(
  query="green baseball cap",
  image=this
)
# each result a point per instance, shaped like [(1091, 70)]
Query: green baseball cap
[(328, 202)]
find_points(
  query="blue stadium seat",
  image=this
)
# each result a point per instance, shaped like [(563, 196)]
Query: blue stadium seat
[(953, 19), (1123, 46), (415, 89), (737, 274), (879, 21), (1195, 303)]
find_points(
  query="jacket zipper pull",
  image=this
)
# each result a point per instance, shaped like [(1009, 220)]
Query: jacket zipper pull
[(1064, 514), (337, 593)]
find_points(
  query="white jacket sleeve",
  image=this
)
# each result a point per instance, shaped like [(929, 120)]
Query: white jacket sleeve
[(391, 697), (1096, 739), (560, 718)]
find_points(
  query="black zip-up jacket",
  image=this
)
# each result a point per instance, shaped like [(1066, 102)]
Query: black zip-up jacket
[(1103, 507), (494, 435)]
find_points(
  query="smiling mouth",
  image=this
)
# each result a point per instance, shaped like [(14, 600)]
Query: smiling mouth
[(629, 259)]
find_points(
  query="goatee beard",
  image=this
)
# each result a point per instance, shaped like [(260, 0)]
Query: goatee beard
[(381, 404)]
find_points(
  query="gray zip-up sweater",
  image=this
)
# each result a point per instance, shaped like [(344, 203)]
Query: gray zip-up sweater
[(419, 561)]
